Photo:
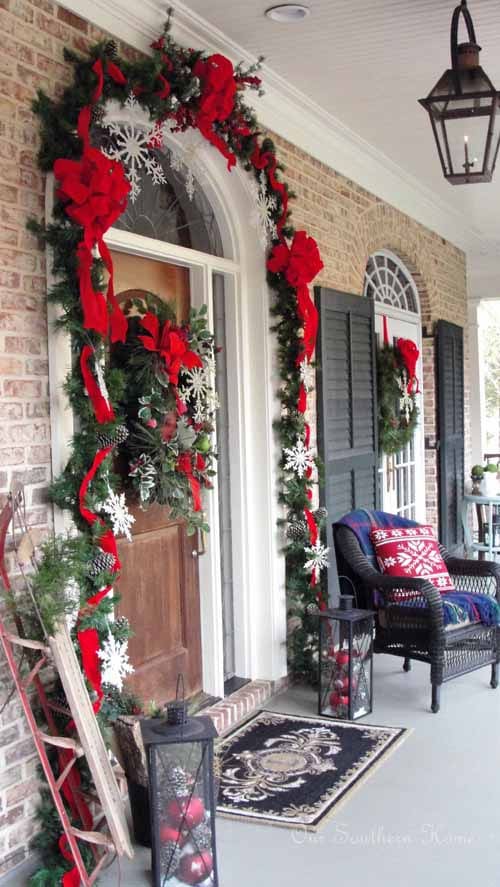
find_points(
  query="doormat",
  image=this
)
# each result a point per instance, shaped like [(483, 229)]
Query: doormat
[(294, 771)]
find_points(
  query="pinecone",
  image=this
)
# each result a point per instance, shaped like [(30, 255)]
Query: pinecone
[(321, 514), (176, 784), (111, 439), (202, 836), (111, 49), (103, 562), (97, 115), (170, 855), (296, 531)]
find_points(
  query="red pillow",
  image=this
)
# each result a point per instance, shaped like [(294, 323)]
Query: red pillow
[(411, 551)]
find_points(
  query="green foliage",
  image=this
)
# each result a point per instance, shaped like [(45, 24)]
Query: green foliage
[(55, 584), (394, 431)]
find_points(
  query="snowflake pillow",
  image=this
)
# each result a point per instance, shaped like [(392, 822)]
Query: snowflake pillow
[(413, 552)]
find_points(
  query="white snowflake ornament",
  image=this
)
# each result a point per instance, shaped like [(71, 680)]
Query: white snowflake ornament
[(298, 458), (317, 555), (132, 146), (118, 513), (307, 374), (266, 205), (115, 665)]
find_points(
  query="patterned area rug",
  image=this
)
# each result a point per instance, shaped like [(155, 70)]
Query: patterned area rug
[(293, 771)]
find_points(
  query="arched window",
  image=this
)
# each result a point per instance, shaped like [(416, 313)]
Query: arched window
[(388, 281)]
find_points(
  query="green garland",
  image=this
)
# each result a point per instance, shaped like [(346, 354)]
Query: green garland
[(395, 427), (239, 135)]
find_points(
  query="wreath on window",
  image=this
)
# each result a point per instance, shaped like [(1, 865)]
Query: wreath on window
[(397, 389)]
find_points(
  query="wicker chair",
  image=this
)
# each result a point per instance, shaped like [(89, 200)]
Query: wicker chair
[(416, 630)]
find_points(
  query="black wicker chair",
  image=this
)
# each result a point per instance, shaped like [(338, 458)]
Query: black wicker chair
[(416, 630)]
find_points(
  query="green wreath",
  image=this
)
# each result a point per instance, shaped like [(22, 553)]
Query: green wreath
[(397, 404)]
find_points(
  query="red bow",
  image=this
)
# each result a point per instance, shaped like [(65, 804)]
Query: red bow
[(219, 86), (96, 190), (410, 354), (300, 263), (170, 342)]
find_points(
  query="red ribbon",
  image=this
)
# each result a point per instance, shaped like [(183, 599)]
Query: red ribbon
[(386, 330), (216, 74), (114, 72), (302, 401), (410, 354), (262, 159), (184, 464), (95, 190), (71, 878), (102, 408)]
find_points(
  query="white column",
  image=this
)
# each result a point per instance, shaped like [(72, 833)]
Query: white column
[(476, 384)]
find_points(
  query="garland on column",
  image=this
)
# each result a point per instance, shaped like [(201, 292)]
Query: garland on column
[(181, 89)]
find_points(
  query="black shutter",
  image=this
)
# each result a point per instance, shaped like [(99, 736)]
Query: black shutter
[(347, 410), (450, 420)]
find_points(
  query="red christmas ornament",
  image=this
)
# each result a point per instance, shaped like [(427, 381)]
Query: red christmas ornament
[(196, 867), (186, 813), (167, 833), (342, 658)]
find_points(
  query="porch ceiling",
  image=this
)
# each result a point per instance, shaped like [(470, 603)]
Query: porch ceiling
[(367, 63)]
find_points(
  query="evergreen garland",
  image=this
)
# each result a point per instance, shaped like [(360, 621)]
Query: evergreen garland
[(235, 134), (395, 427)]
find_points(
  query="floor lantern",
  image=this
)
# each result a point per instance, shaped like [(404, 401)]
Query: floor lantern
[(182, 803), (345, 661)]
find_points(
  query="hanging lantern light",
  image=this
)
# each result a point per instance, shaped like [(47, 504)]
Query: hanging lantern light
[(463, 110)]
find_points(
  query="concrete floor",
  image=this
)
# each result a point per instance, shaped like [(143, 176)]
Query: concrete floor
[(427, 816)]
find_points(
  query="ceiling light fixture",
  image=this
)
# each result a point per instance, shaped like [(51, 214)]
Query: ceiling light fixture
[(288, 12), (463, 110)]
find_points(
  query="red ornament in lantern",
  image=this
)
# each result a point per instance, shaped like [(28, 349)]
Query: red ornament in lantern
[(196, 867), (167, 833), (186, 813)]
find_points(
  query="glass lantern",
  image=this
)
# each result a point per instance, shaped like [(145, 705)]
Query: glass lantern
[(182, 805), (345, 661)]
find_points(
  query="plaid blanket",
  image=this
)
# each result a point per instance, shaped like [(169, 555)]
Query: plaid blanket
[(458, 607)]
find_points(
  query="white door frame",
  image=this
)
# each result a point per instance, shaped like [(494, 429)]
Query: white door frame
[(259, 573)]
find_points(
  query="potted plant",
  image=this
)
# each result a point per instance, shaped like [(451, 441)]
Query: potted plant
[(477, 474), (490, 479)]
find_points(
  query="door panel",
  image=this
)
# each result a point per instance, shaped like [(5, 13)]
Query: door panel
[(159, 582), (159, 591)]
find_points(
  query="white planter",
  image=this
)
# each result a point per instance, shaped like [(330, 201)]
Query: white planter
[(490, 484)]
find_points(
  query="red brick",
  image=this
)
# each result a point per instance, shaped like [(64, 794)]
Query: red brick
[(19, 345), (22, 388), (21, 791), (64, 15), (10, 366)]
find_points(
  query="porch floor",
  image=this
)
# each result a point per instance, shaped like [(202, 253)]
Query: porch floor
[(428, 815)]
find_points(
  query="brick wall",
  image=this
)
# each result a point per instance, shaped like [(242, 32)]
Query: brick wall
[(348, 222)]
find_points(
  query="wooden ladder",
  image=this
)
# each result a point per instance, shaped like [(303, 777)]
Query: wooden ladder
[(65, 786)]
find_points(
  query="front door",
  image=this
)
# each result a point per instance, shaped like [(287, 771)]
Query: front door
[(402, 476), (159, 582)]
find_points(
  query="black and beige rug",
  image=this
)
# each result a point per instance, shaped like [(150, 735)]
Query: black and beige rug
[(293, 771)]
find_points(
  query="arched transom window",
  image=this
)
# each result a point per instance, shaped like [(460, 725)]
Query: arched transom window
[(389, 282)]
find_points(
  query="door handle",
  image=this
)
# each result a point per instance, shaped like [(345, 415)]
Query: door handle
[(201, 547)]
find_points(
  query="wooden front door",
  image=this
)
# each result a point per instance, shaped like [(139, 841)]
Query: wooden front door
[(159, 582)]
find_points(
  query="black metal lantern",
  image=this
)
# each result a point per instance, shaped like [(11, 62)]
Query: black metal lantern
[(182, 804), (345, 661), (463, 110)]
